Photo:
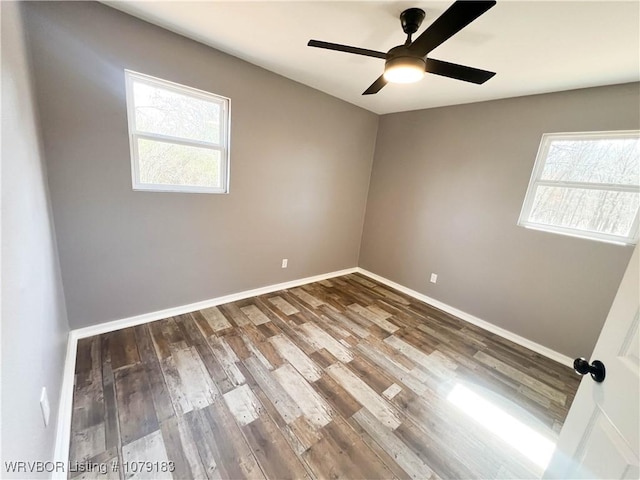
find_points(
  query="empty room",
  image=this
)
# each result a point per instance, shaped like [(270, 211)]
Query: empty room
[(317, 239)]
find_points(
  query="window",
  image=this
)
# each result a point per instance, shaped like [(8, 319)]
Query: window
[(179, 136), (586, 185)]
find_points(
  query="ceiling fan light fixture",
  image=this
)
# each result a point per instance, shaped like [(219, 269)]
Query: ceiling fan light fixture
[(408, 62), (404, 69)]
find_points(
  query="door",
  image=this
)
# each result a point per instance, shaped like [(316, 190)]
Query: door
[(600, 436)]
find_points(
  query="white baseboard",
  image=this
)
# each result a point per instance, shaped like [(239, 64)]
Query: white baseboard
[(65, 409), (467, 317), (192, 307)]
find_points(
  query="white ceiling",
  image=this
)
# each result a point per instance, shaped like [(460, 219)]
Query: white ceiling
[(534, 47)]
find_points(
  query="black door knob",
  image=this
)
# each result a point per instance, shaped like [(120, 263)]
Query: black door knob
[(596, 369)]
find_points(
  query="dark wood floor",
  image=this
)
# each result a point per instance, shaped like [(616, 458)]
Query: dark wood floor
[(343, 378)]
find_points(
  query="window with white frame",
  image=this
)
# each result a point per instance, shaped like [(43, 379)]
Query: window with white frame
[(586, 185), (179, 136)]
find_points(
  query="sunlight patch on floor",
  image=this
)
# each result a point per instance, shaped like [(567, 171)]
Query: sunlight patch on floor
[(531, 444)]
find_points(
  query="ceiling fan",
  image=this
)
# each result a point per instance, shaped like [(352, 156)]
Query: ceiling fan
[(408, 62)]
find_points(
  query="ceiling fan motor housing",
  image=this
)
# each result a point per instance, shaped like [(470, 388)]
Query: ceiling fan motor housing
[(404, 61), (402, 54)]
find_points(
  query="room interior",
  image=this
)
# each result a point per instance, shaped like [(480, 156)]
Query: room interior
[(366, 197)]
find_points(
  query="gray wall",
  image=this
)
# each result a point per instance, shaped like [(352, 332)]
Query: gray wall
[(34, 322), (300, 167), (445, 195)]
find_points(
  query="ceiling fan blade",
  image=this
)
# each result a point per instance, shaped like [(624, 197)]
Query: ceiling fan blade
[(459, 72), (376, 86), (454, 19), (346, 48)]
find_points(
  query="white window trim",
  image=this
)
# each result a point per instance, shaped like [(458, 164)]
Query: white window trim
[(535, 181), (134, 134)]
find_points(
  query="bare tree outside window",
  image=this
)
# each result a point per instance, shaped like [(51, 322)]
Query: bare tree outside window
[(587, 185), (178, 136)]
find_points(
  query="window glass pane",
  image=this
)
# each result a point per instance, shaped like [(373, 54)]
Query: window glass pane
[(169, 113), (585, 209), (170, 164), (614, 160)]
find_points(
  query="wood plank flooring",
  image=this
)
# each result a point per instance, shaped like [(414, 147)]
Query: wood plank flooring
[(342, 378)]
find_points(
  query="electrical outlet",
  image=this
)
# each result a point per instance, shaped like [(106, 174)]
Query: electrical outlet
[(434, 278), (44, 406), (285, 262)]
